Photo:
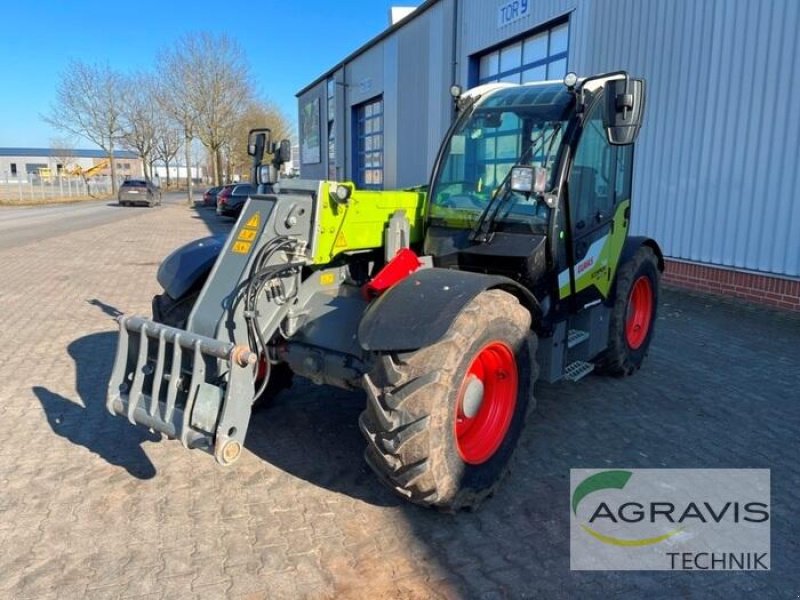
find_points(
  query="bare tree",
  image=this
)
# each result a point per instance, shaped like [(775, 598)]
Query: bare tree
[(139, 118), (63, 149), (168, 141), (256, 115), (88, 104), (177, 87), (215, 85)]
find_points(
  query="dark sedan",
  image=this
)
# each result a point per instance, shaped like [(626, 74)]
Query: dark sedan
[(210, 196), (231, 199)]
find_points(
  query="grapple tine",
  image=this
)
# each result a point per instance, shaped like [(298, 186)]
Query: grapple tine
[(174, 378), (135, 393), (120, 362), (198, 375), (159, 374)]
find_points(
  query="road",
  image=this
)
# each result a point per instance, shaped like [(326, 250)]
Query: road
[(25, 224)]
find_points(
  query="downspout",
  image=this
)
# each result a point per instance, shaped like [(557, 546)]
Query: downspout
[(344, 114), (454, 64)]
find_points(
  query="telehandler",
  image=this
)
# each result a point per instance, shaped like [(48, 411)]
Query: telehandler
[(444, 303)]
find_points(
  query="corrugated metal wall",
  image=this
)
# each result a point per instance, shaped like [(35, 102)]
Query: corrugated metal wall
[(717, 162), (424, 76)]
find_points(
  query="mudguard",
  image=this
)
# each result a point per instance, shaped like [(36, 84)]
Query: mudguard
[(633, 243), (189, 264), (417, 311)]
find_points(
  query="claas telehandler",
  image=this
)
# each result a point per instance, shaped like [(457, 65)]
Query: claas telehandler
[(443, 303)]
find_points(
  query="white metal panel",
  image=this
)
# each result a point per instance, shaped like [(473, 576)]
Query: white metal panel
[(717, 162), (415, 63)]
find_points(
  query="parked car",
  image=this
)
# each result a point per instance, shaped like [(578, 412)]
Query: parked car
[(224, 194), (139, 191), (210, 196), (231, 199)]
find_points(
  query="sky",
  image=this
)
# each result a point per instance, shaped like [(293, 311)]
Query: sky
[(288, 44)]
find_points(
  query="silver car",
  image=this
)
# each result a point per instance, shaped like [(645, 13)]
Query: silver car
[(139, 191)]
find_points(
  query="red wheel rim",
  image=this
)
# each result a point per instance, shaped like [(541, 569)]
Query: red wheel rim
[(640, 312), (486, 403)]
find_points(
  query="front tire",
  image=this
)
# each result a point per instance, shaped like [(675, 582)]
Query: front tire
[(633, 315), (443, 422)]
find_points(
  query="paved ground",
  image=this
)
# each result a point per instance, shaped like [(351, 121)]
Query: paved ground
[(91, 507)]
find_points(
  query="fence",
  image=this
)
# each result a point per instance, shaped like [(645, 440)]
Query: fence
[(40, 189)]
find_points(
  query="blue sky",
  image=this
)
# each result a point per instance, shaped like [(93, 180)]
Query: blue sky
[(288, 44)]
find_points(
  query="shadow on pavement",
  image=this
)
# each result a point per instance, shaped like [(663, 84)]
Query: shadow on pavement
[(213, 222), (313, 435), (85, 421), (111, 311)]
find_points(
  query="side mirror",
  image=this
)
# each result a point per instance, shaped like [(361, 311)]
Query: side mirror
[(285, 151), (624, 110), (257, 141)]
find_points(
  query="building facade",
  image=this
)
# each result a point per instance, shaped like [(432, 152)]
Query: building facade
[(717, 158), (25, 165)]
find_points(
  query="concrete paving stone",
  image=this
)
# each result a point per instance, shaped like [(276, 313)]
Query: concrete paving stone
[(178, 586), (92, 507)]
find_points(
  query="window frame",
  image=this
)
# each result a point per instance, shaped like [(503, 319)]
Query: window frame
[(361, 171), (518, 71)]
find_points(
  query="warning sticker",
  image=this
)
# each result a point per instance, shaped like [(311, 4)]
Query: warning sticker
[(254, 221), (241, 247), (327, 279), (341, 241), (247, 235)]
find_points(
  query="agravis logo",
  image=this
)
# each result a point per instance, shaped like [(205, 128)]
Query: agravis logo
[(603, 481), (693, 519)]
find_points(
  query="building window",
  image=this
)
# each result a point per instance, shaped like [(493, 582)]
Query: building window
[(331, 130), (368, 141), (538, 57), (331, 152), (14, 169)]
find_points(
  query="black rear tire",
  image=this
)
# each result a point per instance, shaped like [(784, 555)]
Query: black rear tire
[(175, 313), (414, 400), (623, 358)]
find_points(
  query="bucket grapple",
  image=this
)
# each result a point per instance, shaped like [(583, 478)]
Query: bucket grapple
[(171, 381)]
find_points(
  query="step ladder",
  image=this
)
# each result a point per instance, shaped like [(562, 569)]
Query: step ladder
[(578, 369), (575, 337)]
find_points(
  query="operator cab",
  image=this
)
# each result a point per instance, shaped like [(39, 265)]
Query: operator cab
[(529, 177)]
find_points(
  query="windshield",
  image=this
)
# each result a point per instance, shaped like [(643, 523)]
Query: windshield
[(515, 125)]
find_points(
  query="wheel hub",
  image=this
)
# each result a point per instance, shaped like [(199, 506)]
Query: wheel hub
[(473, 397), (486, 403)]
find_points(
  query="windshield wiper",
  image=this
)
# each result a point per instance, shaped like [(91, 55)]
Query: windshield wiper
[(481, 229)]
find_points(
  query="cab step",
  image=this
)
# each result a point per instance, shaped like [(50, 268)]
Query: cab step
[(577, 370), (575, 337)]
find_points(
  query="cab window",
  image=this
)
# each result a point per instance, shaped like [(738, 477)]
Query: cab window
[(591, 180)]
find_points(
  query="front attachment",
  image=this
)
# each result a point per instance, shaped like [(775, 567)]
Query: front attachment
[(187, 386)]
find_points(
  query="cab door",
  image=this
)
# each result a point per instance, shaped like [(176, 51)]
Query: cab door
[(599, 209)]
